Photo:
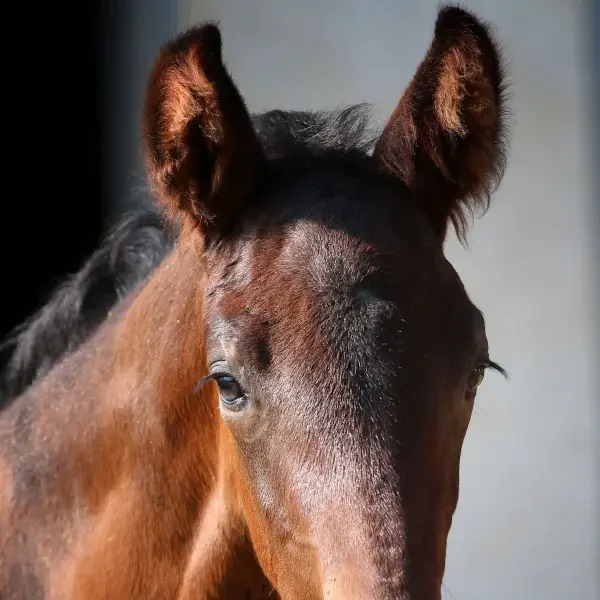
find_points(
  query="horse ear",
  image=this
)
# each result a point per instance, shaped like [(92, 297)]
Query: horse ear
[(203, 158), (445, 138)]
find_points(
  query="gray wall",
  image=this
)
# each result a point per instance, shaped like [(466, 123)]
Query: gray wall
[(526, 522)]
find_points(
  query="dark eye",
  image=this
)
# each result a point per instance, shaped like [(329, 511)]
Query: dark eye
[(230, 391), (475, 379)]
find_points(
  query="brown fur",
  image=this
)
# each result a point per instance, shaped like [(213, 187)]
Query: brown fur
[(198, 139), (350, 336), (446, 137)]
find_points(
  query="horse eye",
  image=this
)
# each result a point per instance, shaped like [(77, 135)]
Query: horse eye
[(230, 392), (475, 379)]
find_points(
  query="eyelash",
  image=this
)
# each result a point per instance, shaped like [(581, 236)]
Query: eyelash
[(494, 366)]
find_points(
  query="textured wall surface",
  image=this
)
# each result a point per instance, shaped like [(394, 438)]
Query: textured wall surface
[(526, 520)]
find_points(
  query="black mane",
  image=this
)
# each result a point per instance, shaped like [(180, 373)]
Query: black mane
[(139, 243), (347, 130), (77, 306)]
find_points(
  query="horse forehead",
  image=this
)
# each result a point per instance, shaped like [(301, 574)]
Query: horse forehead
[(311, 272), (324, 257), (314, 263), (305, 253), (309, 290)]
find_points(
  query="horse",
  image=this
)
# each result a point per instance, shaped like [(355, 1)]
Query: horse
[(272, 404)]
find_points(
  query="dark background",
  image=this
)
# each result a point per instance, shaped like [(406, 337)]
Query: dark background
[(73, 78), (53, 183)]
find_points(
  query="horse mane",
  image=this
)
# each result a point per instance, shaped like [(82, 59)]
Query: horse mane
[(347, 130), (139, 243), (80, 303)]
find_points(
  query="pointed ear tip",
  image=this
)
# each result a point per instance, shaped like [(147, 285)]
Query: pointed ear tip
[(457, 25), (454, 18), (210, 34), (206, 35)]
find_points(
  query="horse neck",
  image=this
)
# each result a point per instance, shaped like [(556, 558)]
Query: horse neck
[(136, 446), (159, 356)]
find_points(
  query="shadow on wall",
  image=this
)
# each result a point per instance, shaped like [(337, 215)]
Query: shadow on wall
[(133, 33)]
